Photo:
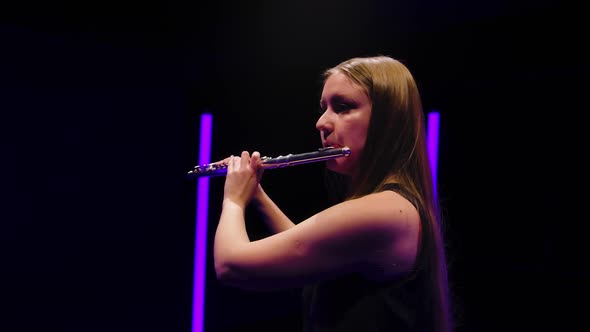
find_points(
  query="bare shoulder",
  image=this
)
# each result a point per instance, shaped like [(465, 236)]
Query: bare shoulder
[(379, 230), (385, 211), (399, 222), (374, 222)]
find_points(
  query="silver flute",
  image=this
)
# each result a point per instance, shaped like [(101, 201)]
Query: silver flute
[(220, 168)]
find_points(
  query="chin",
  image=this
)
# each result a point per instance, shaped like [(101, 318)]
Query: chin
[(338, 167)]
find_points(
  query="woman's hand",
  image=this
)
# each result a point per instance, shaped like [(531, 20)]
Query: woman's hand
[(243, 178)]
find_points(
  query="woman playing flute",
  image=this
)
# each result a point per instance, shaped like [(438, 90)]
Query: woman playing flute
[(375, 260)]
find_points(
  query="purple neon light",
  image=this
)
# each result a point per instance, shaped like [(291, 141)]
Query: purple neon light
[(198, 316), (432, 134)]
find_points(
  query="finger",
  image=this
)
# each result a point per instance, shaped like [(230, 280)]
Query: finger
[(223, 161), (256, 164), (255, 161), (233, 163), (230, 163), (245, 160)]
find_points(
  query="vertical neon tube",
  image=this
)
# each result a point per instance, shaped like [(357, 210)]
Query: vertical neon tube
[(432, 144), (200, 255)]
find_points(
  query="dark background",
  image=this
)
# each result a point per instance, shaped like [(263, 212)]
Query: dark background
[(100, 104)]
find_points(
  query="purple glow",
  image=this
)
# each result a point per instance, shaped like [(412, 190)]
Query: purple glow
[(201, 229), (432, 143)]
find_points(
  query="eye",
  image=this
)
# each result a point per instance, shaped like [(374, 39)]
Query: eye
[(342, 107)]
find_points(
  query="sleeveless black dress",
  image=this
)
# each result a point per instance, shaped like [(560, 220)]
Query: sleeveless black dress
[(353, 303)]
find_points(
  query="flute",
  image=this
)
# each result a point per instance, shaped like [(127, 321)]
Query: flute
[(330, 152)]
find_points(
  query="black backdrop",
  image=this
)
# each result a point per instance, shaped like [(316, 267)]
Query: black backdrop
[(100, 105)]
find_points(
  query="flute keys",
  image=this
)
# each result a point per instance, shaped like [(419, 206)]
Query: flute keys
[(208, 168)]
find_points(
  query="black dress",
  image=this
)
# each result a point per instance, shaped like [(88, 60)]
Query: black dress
[(353, 303)]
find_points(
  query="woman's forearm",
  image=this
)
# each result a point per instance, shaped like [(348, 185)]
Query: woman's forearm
[(230, 236)]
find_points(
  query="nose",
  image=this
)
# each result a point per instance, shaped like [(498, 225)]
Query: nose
[(324, 123)]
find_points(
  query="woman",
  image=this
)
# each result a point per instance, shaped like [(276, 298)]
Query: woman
[(374, 261)]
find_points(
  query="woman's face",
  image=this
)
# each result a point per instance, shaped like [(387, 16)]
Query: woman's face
[(345, 120)]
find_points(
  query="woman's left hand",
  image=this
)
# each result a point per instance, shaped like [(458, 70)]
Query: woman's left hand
[(242, 178)]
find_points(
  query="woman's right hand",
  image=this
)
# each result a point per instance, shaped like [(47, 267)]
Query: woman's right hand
[(243, 178), (258, 192)]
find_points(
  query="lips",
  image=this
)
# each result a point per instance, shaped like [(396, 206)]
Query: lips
[(334, 145)]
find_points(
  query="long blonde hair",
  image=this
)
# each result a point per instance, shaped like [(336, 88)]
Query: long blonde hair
[(396, 147)]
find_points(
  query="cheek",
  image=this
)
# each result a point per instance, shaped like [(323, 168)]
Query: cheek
[(345, 165), (356, 136), (357, 140)]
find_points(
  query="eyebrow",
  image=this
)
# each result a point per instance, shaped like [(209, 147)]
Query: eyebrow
[(339, 98)]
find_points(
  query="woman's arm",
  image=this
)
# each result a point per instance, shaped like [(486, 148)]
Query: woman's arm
[(273, 216), (377, 231)]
